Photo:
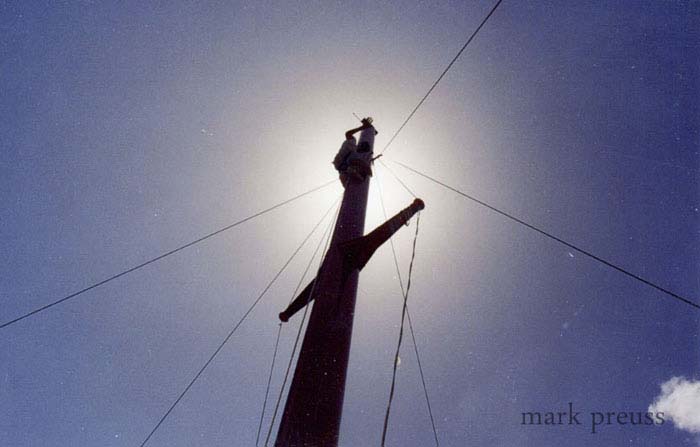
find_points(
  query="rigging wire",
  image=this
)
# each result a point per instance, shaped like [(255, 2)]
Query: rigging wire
[(437, 81), (555, 238), (391, 171), (296, 289), (398, 344), (230, 334), (408, 315), (301, 326), (164, 255), (269, 380)]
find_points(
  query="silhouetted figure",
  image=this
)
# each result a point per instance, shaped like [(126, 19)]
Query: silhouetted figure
[(351, 161)]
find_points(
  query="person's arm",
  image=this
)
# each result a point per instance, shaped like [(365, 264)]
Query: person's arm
[(366, 123), (351, 132)]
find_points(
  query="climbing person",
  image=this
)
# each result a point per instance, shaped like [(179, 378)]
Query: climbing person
[(351, 161)]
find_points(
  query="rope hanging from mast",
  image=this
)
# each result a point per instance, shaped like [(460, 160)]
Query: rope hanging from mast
[(408, 313), (398, 345)]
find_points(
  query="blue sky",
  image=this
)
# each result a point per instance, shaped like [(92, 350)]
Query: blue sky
[(129, 129)]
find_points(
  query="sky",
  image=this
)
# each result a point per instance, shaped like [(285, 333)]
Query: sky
[(131, 128)]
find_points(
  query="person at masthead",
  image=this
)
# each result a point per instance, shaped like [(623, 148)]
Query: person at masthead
[(353, 161)]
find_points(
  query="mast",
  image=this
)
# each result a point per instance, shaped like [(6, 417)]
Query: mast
[(314, 404)]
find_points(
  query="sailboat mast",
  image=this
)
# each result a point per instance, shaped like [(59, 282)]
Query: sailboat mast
[(314, 404)]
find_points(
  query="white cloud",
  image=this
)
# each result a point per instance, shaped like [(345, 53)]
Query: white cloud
[(680, 403)]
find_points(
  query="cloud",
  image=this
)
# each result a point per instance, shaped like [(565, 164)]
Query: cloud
[(680, 403)]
